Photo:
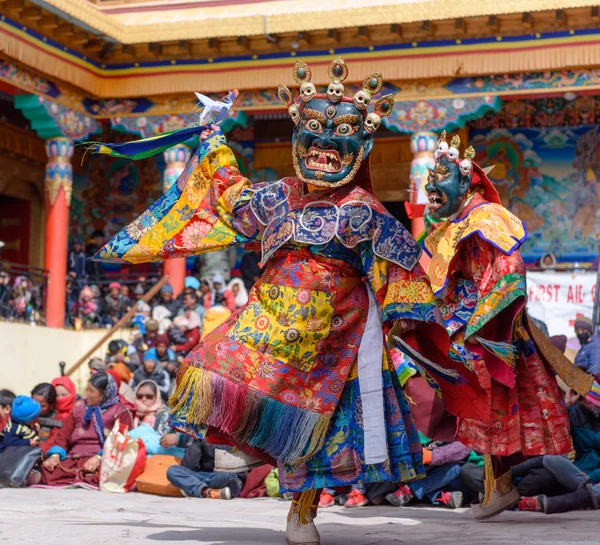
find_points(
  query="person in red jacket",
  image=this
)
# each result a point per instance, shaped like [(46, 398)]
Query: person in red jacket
[(189, 325)]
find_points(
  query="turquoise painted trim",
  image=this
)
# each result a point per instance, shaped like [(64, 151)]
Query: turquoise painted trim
[(41, 122)]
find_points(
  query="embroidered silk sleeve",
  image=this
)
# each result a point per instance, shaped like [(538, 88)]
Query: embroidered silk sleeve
[(206, 209)]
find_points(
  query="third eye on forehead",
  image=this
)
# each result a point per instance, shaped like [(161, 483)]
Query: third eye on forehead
[(351, 119)]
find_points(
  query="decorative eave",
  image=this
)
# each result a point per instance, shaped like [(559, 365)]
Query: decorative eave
[(400, 62), (188, 20)]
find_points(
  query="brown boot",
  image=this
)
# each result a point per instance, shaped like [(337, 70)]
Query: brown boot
[(500, 495)]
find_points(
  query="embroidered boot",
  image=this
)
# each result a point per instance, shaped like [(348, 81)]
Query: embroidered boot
[(301, 529), (500, 494), (583, 498)]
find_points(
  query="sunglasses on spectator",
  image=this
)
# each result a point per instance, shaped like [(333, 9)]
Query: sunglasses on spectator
[(145, 396)]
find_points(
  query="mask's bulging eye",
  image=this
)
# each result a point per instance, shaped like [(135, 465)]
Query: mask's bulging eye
[(314, 125), (344, 129)]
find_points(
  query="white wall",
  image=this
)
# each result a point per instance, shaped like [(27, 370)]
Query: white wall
[(30, 355)]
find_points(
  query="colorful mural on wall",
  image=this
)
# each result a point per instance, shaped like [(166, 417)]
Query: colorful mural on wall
[(549, 177), (114, 192)]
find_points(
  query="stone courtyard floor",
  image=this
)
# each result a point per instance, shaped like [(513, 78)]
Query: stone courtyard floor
[(81, 517)]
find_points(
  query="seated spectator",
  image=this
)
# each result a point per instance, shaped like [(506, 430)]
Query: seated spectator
[(87, 309), (584, 414), (442, 484), (6, 400), (204, 290), (20, 426), (356, 497), (126, 393), (236, 286), (96, 364), (168, 301), (151, 370), (66, 396), (142, 309), (151, 410), (531, 478), (164, 355), (190, 326), (76, 454), (122, 359), (163, 318), (588, 358), (115, 305), (190, 302), (191, 282), (196, 476), (583, 494), (97, 296), (45, 394), (219, 295), (147, 340), (548, 263), (126, 297)]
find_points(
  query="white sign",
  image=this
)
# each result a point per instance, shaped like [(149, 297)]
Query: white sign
[(559, 298)]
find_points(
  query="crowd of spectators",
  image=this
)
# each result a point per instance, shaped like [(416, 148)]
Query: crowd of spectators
[(132, 384), (96, 298)]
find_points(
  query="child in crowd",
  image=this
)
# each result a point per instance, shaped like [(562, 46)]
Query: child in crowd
[(45, 394), (6, 400), (20, 429)]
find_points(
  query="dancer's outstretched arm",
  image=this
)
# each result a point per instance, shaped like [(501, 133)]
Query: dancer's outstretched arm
[(207, 209)]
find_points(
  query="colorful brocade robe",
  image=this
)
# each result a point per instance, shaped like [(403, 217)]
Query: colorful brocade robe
[(302, 371), (478, 276)]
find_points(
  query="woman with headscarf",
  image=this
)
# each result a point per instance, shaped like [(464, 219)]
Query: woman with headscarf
[(66, 396), (151, 410), (77, 451), (237, 288), (219, 295)]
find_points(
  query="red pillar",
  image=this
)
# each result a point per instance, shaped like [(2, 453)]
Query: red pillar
[(176, 158), (58, 189)]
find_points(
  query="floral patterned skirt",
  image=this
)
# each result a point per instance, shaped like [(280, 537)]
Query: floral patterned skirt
[(530, 418), (341, 460), (273, 376)]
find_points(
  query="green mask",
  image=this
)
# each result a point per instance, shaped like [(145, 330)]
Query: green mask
[(447, 188)]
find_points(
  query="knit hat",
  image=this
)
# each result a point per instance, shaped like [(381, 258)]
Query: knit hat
[(583, 322), (163, 339), (560, 341), (139, 289), (167, 288), (152, 326), (114, 285), (192, 282), (150, 356), (25, 409)]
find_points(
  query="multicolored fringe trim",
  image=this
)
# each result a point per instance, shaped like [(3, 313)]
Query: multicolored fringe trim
[(288, 434), (405, 368), (507, 352), (594, 396)]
